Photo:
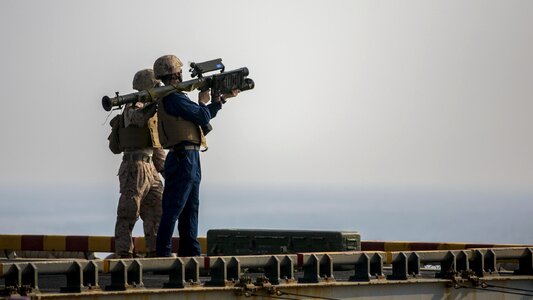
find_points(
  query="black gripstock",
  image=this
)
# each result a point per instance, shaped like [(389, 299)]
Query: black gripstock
[(220, 83), (223, 83)]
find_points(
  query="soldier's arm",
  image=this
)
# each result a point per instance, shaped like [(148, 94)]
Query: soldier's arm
[(179, 105)]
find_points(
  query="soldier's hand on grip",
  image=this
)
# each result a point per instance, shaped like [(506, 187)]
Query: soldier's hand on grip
[(204, 97), (231, 94)]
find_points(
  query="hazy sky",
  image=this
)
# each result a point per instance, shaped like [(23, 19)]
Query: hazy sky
[(382, 94)]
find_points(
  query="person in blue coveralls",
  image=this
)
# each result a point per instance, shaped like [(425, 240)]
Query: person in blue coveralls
[(180, 130)]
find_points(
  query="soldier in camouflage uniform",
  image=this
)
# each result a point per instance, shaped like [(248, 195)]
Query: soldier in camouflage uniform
[(140, 184)]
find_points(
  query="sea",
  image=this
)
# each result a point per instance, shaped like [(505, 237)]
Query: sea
[(377, 213)]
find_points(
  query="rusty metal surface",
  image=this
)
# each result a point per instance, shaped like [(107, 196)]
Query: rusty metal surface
[(344, 275), (378, 289)]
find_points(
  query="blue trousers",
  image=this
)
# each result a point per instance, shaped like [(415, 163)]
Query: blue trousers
[(180, 203)]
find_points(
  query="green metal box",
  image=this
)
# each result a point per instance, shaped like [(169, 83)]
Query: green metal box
[(271, 241)]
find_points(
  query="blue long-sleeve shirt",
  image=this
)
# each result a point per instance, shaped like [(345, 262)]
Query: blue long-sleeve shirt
[(179, 105)]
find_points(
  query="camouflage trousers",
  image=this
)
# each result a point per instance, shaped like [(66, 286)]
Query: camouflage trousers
[(141, 192)]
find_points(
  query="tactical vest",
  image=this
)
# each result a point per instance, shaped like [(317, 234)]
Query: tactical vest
[(133, 137), (174, 130)]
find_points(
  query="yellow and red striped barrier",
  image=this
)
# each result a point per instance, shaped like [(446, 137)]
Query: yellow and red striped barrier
[(107, 244), (387, 246), (74, 243)]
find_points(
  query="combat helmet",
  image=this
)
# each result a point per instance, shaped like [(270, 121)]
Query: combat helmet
[(144, 79), (167, 65)]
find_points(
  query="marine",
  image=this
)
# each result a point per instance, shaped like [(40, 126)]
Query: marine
[(141, 188)]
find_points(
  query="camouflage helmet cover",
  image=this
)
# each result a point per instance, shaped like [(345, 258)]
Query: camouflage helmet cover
[(144, 79), (167, 65)]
